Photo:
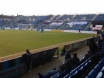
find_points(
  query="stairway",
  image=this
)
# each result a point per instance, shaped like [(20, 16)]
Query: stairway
[(58, 17), (89, 24), (62, 25), (73, 17), (94, 17)]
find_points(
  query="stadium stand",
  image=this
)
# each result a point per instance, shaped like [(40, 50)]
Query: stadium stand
[(58, 75), (101, 73), (64, 27), (100, 17), (84, 17), (54, 25), (65, 17), (87, 29), (37, 21), (96, 69), (7, 16), (80, 71), (55, 17), (42, 24), (77, 25)]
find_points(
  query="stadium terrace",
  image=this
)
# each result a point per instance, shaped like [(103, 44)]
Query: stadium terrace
[(83, 22)]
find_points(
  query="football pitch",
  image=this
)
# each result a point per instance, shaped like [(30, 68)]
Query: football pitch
[(15, 41)]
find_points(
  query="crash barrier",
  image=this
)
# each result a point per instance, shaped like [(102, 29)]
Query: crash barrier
[(16, 67), (76, 45), (42, 57)]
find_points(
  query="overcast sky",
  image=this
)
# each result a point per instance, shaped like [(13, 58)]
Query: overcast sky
[(44, 7)]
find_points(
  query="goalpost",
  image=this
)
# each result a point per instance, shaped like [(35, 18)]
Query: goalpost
[(25, 26)]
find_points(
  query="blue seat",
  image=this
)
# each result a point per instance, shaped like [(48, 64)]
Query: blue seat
[(85, 65), (100, 75), (96, 69), (91, 74), (55, 75), (73, 76), (79, 73), (102, 68)]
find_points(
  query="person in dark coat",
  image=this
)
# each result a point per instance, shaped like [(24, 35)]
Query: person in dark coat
[(42, 30), (100, 52), (99, 41), (92, 46), (27, 59), (67, 56), (88, 55), (75, 59)]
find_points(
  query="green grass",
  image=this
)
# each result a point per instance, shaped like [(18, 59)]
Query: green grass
[(19, 40)]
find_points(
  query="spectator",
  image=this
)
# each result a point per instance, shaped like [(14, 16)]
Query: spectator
[(75, 59), (27, 59), (66, 66), (94, 38), (92, 46), (67, 56), (99, 41), (101, 46), (100, 52), (87, 55), (42, 30), (79, 30)]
